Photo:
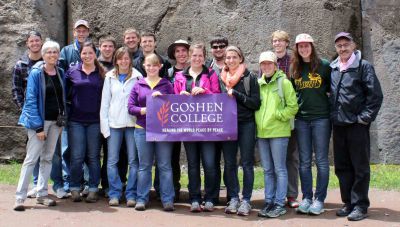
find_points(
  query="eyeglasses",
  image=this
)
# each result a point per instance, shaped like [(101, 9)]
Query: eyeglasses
[(345, 45), (51, 52), (218, 46)]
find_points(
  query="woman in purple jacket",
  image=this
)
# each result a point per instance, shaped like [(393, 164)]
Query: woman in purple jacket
[(155, 85), (84, 85), (197, 80)]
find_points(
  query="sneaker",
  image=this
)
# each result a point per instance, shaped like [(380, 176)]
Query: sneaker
[(263, 212), (232, 207), (244, 208), (195, 207), (276, 211), (91, 197), (357, 214), (131, 203), (140, 206), (85, 191), (344, 211), (304, 206), (316, 208), (208, 207), (168, 206), (61, 193), (113, 202), (45, 200), (76, 196), (292, 202), (32, 193), (19, 205)]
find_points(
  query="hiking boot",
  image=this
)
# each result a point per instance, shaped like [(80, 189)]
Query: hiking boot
[(304, 206), (114, 202), (131, 203), (276, 211), (263, 212), (76, 196), (195, 207), (357, 214), (168, 206), (61, 193), (316, 208), (45, 200), (140, 206), (32, 193), (344, 211), (292, 202), (244, 208), (19, 205), (232, 207), (92, 197), (208, 207)]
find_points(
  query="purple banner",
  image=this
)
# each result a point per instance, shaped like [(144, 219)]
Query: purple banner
[(191, 118)]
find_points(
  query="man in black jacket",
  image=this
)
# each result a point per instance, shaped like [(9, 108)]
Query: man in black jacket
[(356, 98)]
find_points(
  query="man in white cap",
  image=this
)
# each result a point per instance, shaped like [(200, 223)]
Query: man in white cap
[(69, 55), (356, 97)]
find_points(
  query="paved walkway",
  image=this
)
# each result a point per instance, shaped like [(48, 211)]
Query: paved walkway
[(384, 211)]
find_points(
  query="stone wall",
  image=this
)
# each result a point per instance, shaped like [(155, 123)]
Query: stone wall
[(247, 23), (17, 19)]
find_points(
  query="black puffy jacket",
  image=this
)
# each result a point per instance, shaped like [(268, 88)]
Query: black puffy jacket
[(356, 94)]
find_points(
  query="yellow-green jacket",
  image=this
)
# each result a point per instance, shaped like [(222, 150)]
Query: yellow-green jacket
[(273, 117)]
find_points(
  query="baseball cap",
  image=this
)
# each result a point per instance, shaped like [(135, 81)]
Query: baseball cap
[(343, 35), (81, 22), (171, 48), (304, 38), (268, 56)]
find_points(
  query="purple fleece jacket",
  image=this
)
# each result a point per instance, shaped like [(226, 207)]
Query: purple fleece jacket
[(137, 99)]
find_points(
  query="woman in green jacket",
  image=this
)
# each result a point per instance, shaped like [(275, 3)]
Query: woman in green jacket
[(273, 120)]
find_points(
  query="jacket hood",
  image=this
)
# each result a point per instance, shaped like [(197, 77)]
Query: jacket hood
[(38, 65), (278, 73), (355, 64), (135, 74)]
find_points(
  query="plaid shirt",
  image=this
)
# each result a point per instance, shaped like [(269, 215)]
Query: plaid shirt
[(284, 64), (19, 79)]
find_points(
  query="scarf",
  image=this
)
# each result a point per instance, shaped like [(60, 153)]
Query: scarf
[(231, 80)]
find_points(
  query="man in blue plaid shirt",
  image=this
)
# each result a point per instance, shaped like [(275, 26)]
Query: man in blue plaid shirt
[(23, 66)]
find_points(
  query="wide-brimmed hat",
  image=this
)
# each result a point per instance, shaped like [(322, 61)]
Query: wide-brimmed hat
[(171, 48), (304, 38), (343, 35), (268, 56)]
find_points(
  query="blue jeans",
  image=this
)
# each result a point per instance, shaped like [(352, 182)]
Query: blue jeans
[(60, 170), (146, 152), (114, 179), (273, 160), (205, 150), (246, 141), (313, 136), (84, 142)]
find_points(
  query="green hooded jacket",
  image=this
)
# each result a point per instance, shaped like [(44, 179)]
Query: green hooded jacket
[(273, 117)]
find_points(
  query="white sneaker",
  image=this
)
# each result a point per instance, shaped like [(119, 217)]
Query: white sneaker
[(32, 193), (61, 193)]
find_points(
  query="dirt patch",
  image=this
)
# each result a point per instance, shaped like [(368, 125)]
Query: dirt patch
[(384, 211)]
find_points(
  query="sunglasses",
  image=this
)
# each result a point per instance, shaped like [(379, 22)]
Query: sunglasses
[(218, 46)]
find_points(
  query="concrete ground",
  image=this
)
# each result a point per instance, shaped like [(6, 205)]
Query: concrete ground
[(384, 212)]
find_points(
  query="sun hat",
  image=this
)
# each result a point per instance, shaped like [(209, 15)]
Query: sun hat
[(171, 48), (304, 38)]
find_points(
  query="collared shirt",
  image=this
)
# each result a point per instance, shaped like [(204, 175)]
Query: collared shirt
[(284, 64), (344, 66), (19, 78)]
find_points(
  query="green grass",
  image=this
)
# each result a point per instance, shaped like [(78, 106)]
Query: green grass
[(385, 177)]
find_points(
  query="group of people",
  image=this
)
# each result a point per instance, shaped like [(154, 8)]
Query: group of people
[(79, 100)]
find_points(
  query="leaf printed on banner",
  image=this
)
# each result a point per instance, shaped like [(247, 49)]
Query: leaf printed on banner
[(162, 114)]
